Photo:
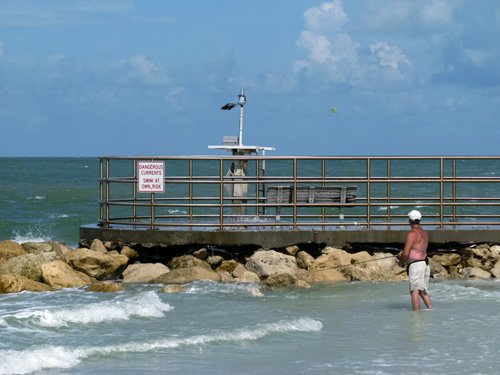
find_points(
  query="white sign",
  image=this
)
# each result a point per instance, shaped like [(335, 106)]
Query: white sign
[(150, 176)]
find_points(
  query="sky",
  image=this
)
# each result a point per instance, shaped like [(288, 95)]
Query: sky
[(148, 77)]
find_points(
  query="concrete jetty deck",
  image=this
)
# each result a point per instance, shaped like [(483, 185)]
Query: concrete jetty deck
[(271, 238)]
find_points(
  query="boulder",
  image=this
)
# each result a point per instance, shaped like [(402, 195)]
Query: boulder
[(481, 257), (304, 260), (447, 260), (95, 264), (98, 246), (228, 265), (187, 275), (242, 275), (266, 263), (27, 265), (173, 288), (201, 254), (58, 274), (129, 252), (60, 248), (214, 261), (496, 272), (10, 249), (143, 272), (10, 283), (292, 250), (331, 258), (437, 270), (282, 280), (37, 247), (225, 277), (186, 261), (323, 275), (476, 273), (495, 249), (105, 287)]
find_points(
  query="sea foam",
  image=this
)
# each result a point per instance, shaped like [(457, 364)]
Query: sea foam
[(145, 305), (36, 359)]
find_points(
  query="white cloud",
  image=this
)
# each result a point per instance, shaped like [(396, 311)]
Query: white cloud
[(437, 13), (390, 57), (145, 72), (327, 17), (332, 49)]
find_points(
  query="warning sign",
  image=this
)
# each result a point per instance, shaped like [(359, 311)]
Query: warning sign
[(150, 177)]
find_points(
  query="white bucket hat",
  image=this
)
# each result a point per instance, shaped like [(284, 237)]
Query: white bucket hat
[(414, 215)]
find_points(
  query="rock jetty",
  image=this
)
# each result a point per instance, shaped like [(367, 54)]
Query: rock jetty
[(48, 266)]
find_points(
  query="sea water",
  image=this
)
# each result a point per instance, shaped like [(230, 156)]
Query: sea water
[(212, 328)]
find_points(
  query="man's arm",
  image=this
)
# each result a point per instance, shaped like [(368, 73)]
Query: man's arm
[(410, 238)]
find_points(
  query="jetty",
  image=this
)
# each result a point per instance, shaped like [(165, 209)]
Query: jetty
[(251, 198)]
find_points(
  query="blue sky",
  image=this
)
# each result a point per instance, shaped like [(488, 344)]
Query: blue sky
[(148, 77)]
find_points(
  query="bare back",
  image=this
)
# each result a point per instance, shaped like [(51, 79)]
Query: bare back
[(416, 244)]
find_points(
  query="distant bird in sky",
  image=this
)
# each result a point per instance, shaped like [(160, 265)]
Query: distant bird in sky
[(333, 109)]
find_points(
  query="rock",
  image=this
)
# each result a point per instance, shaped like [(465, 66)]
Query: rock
[(10, 249), (323, 275), (37, 247), (173, 288), (242, 275), (304, 260), (481, 257), (225, 277), (247, 277), (447, 260), (129, 252), (239, 270), (496, 272), (10, 283), (27, 265), (331, 258), (437, 270), (95, 264), (228, 265), (186, 261), (187, 275), (98, 246), (292, 250), (476, 273), (266, 263), (60, 248), (144, 272), (105, 287), (279, 281), (495, 249), (201, 254), (215, 261), (58, 274)]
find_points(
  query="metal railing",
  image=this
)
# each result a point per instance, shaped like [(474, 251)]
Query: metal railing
[(204, 192)]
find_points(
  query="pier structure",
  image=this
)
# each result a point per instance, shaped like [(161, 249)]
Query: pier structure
[(183, 201)]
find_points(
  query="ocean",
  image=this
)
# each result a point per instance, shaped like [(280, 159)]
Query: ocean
[(211, 328)]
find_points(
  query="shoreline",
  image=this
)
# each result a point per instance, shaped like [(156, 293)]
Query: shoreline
[(46, 266)]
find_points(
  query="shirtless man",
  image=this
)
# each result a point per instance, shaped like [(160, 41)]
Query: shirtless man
[(415, 256)]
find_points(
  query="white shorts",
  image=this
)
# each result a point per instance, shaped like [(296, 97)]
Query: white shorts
[(419, 274)]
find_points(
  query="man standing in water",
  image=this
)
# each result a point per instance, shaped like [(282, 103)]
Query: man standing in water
[(415, 256)]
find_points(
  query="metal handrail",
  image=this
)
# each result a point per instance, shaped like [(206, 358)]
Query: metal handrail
[(452, 197)]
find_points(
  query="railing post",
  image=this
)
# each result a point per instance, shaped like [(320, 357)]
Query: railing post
[(368, 192), (441, 198)]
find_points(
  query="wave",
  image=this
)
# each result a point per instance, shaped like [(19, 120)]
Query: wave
[(59, 216), (145, 305), (31, 236), (37, 359), (476, 290), (208, 287)]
